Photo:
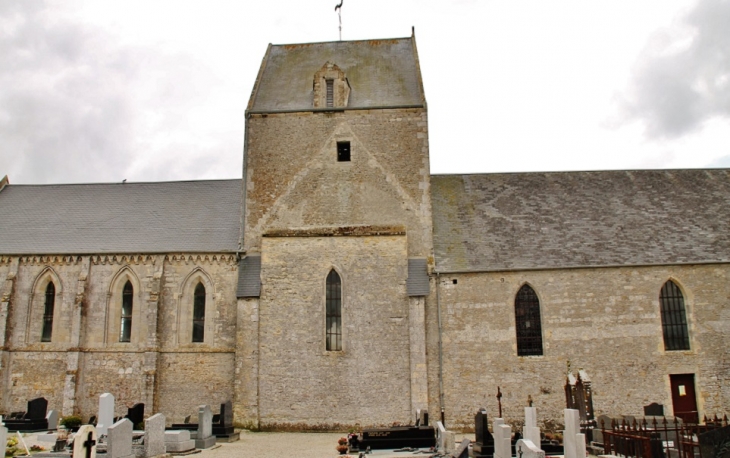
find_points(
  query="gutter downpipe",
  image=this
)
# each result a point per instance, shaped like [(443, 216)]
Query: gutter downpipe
[(441, 350)]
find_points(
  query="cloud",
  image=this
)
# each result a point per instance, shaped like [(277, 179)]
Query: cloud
[(77, 105), (682, 77)]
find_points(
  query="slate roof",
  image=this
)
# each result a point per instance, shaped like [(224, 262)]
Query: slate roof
[(185, 216), (574, 219), (380, 72)]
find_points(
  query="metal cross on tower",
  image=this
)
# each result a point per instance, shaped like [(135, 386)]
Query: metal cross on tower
[(338, 8)]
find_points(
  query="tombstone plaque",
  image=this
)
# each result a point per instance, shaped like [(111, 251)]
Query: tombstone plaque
[(205, 438), (119, 440), (654, 410), (52, 419), (484, 444)]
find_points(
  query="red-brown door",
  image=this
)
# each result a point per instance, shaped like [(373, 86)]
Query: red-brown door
[(684, 400)]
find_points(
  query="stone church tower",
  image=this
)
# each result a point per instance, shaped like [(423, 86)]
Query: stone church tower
[(337, 226)]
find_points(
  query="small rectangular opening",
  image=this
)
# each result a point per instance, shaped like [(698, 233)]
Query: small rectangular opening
[(343, 151), (330, 93)]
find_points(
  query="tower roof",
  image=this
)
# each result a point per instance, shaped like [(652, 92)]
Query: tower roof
[(381, 73)]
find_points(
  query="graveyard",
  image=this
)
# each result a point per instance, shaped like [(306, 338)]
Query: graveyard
[(40, 432)]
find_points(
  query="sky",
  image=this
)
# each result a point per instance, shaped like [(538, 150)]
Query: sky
[(156, 90)]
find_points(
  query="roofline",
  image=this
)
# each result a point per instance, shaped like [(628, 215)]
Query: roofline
[(339, 109), (340, 41), (126, 183), (581, 267), (120, 253), (257, 83), (546, 172), (418, 66)]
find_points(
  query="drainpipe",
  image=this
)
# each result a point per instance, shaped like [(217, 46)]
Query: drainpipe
[(441, 350)]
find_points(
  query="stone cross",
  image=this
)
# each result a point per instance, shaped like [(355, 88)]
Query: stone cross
[(154, 435), (85, 442), (119, 439), (106, 413)]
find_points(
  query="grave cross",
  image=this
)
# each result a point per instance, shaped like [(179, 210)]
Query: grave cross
[(529, 400), (89, 444), (499, 401)]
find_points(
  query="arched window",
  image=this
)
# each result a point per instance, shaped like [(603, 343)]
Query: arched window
[(125, 332), (199, 313), (48, 312), (334, 312), (674, 318), (527, 322)]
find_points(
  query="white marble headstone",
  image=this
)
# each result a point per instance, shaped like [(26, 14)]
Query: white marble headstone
[(571, 435), (119, 439), (502, 439), (52, 417), (530, 431), (85, 438), (525, 448), (106, 413)]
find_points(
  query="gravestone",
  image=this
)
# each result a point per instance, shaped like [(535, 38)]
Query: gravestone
[(136, 414), (106, 413), (525, 448), (484, 443), (205, 438), (530, 431), (502, 439), (154, 436), (445, 440), (52, 419), (3, 432), (715, 443), (119, 440), (223, 429), (178, 441), (423, 418), (574, 442), (462, 451), (85, 442), (654, 410), (34, 419)]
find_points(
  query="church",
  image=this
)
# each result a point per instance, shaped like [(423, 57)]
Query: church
[(339, 283)]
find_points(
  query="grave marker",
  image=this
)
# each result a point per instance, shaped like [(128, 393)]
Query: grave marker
[(525, 448), (52, 419), (3, 432), (178, 441), (462, 451), (106, 413), (205, 438), (484, 443), (85, 442), (502, 439), (154, 435), (119, 440)]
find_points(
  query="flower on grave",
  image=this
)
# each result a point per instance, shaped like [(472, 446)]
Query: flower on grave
[(342, 441)]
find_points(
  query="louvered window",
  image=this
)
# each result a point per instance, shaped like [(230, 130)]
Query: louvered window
[(334, 312), (330, 93), (527, 322), (199, 313), (125, 331), (674, 318), (48, 313)]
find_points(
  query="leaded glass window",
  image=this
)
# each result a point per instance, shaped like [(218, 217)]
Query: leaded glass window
[(48, 312), (125, 332), (674, 318), (199, 313), (334, 312), (527, 322)]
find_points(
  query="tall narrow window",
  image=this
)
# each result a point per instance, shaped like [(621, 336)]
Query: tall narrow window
[(48, 313), (199, 313), (527, 321), (334, 312), (343, 151), (125, 332), (674, 318), (330, 93)]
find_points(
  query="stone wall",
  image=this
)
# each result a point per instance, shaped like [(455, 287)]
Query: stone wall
[(606, 321), (85, 357), (368, 381), (294, 179)]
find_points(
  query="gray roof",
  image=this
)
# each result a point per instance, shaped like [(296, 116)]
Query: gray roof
[(380, 72), (189, 216), (579, 219)]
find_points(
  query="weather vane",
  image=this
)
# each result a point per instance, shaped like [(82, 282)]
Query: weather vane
[(338, 8)]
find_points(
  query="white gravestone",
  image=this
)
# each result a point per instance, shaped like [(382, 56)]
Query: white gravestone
[(205, 438), (530, 431), (525, 448), (154, 436), (119, 440), (178, 441), (52, 418), (106, 413), (3, 432), (574, 443), (446, 440), (502, 439), (85, 442)]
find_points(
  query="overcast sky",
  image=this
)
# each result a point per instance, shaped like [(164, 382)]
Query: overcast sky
[(101, 91)]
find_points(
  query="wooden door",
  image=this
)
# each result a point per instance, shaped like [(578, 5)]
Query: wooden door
[(684, 400)]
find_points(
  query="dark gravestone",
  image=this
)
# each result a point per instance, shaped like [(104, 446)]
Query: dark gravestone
[(462, 451), (398, 437), (715, 443), (654, 410), (484, 445), (227, 414), (136, 414), (223, 424), (423, 417), (92, 420), (37, 409)]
